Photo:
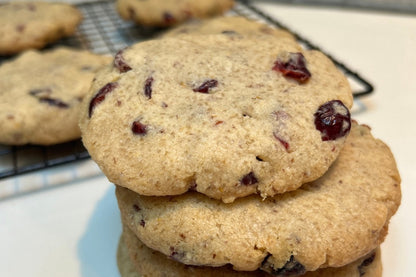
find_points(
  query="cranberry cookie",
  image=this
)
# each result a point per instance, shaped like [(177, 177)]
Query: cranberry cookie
[(135, 259), (41, 95), (27, 25), (223, 115), (227, 24), (170, 12), (326, 223)]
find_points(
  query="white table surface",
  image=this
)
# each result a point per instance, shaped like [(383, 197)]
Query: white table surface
[(73, 230)]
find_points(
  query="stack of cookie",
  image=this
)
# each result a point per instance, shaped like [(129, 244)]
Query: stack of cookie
[(238, 158)]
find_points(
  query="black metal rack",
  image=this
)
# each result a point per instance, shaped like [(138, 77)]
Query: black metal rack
[(104, 32)]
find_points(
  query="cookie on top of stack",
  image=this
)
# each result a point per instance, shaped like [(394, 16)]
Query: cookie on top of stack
[(233, 157)]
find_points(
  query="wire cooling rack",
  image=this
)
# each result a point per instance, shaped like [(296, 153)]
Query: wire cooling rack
[(104, 32)]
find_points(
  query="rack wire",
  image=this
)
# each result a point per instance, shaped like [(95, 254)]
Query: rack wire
[(104, 32)]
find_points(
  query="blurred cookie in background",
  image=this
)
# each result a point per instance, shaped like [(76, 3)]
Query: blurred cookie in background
[(41, 93), (33, 25), (165, 13), (227, 24)]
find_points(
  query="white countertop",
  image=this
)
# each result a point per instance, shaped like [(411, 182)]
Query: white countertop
[(73, 230)]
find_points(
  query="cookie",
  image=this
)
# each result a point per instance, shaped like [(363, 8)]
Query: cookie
[(225, 116), (135, 259), (226, 24), (326, 223), (32, 25), (41, 93), (170, 12)]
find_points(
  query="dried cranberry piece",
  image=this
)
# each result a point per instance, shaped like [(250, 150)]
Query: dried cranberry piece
[(206, 86), (54, 102), (168, 18), (138, 128), (365, 263), (249, 179), (142, 223), (136, 208), (285, 144), (176, 255), (43, 91), (43, 95), (120, 63), (333, 120), (100, 96), (148, 87), (293, 66), (291, 268)]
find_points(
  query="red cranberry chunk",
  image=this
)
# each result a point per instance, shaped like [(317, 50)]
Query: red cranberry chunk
[(206, 86), (293, 66), (368, 261), (136, 208), (333, 120), (285, 144), (54, 102), (100, 96), (176, 255), (40, 92), (168, 18), (138, 128), (291, 268), (148, 87), (120, 63), (249, 179)]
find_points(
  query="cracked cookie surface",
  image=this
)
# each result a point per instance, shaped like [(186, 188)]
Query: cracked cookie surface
[(215, 116), (326, 223)]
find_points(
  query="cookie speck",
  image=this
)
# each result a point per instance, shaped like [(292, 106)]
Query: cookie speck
[(142, 223), (100, 96), (206, 86), (293, 65), (333, 120)]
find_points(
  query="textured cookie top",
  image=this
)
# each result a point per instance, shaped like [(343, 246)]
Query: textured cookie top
[(226, 24), (25, 25), (136, 259), (170, 12), (214, 114), (326, 223), (41, 93)]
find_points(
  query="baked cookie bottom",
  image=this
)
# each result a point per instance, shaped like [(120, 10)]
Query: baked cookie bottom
[(134, 259)]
